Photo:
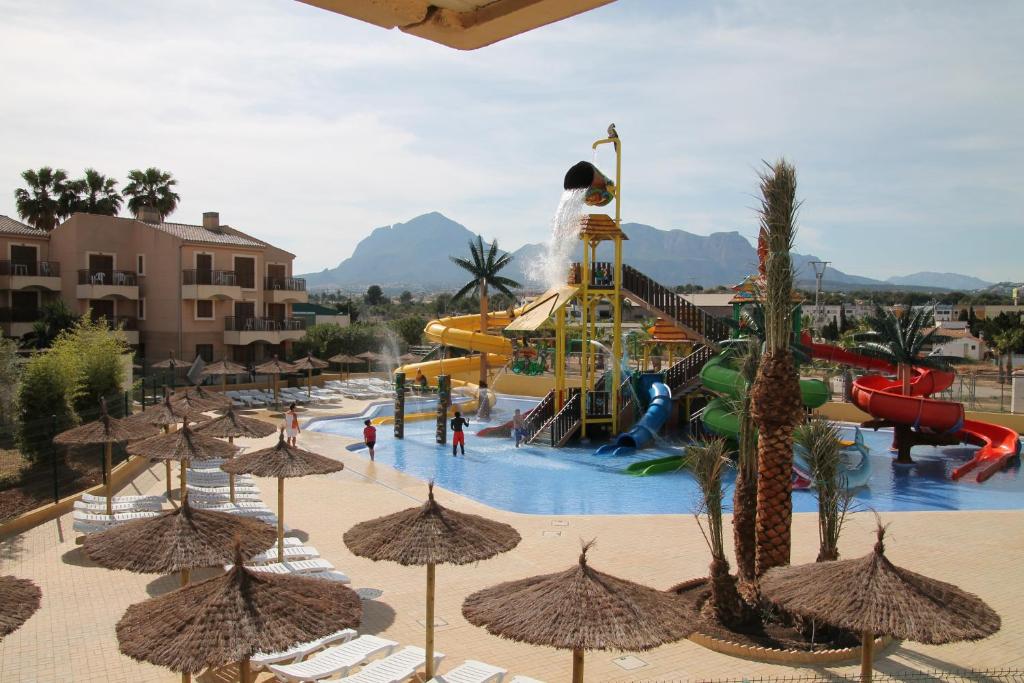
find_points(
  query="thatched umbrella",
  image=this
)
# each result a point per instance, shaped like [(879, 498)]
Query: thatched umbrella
[(194, 404), (19, 600), (231, 617), (223, 367), (275, 367), (184, 446), (166, 414), (309, 363), (178, 541), (200, 397), (343, 359), (170, 364), (580, 609), (873, 597), (107, 431), (229, 426), (370, 357), (408, 358), (430, 535), (282, 461)]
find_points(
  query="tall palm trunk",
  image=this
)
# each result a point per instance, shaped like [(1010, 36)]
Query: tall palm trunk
[(744, 497), (483, 328), (901, 436)]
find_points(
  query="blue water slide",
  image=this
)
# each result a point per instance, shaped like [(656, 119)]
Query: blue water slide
[(644, 430)]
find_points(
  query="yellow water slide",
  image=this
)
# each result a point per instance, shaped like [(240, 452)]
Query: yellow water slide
[(463, 332)]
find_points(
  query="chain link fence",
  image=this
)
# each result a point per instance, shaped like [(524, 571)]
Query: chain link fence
[(953, 676), (55, 472)]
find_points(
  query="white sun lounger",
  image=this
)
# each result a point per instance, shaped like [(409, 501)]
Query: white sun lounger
[(524, 679), (472, 671), (213, 490), (288, 567), (300, 651), (90, 522), (101, 508), (395, 668), (141, 501), (333, 661), (291, 553), (218, 478), (214, 496), (236, 507)]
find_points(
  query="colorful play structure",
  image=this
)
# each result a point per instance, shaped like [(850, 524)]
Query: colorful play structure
[(628, 409)]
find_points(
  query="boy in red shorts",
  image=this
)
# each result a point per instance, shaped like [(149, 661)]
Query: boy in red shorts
[(458, 436), (369, 436)]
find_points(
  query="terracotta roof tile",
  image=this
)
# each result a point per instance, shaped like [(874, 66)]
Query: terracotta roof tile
[(197, 233), (9, 226)]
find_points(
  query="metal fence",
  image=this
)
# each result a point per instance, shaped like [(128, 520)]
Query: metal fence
[(55, 472), (977, 390), (951, 676)]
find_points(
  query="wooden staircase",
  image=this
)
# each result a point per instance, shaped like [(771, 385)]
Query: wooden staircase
[(684, 375), (660, 299), (563, 425)]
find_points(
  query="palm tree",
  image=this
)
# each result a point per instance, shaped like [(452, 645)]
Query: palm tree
[(775, 402), (484, 269), (744, 495), (153, 188), (900, 340), (45, 202), (820, 440), (707, 461), (1007, 342), (95, 193)]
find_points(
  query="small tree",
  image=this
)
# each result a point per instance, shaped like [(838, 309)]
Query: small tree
[(820, 439), (405, 298), (10, 376), (374, 295), (54, 318), (44, 400), (409, 329), (93, 355)]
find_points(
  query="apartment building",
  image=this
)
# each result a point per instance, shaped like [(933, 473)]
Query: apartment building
[(28, 277), (206, 290)]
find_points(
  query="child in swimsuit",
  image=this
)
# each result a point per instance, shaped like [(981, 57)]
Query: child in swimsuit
[(369, 436), (458, 436)]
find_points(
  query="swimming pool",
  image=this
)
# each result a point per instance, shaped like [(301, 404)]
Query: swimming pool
[(573, 481)]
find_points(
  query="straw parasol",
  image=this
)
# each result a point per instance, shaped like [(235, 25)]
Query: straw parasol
[(408, 358), (344, 359), (201, 396), (282, 461), (309, 363), (193, 403), (223, 367), (872, 596), (275, 367), (231, 617), (430, 535), (184, 446), (19, 600), (370, 357), (178, 541), (166, 414), (170, 364), (107, 431), (231, 425), (580, 609)]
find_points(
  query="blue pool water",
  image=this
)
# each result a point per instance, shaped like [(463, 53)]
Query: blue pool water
[(573, 481)]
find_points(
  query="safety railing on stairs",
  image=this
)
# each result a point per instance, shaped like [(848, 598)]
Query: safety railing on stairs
[(667, 302), (687, 369), (567, 419), (539, 416)]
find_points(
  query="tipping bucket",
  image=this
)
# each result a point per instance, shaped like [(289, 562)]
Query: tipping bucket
[(600, 189)]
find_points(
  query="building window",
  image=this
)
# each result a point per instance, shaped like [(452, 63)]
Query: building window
[(204, 309), (140, 264), (142, 309), (205, 351), (245, 272)]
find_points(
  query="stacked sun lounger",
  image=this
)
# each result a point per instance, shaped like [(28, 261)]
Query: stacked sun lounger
[(88, 522), (342, 660)]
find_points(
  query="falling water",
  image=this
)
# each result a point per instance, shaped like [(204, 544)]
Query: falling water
[(552, 267), (390, 351)]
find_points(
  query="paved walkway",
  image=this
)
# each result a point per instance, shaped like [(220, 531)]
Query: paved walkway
[(72, 637)]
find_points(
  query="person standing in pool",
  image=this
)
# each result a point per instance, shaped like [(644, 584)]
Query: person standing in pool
[(369, 436), (458, 436), (518, 427)]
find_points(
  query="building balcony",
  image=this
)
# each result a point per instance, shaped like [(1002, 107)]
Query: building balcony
[(285, 290), (17, 322), (244, 331), (210, 284), (44, 275), (102, 284), (129, 327)]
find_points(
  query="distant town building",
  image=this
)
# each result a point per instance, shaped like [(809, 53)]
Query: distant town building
[(316, 314)]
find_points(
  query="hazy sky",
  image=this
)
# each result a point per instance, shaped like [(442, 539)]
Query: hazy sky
[(306, 128)]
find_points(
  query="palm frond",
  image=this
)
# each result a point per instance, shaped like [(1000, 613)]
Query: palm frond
[(466, 289)]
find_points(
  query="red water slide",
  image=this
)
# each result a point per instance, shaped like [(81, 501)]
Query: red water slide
[(882, 397)]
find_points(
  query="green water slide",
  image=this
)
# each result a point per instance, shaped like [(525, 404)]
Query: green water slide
[(720, 376)]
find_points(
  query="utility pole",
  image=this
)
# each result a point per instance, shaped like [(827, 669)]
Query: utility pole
[(819, 306)]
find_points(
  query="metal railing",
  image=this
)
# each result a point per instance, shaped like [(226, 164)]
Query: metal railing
[(538, 417), (602, 274), (30, 268), (110, 278), (289, 284), (19, 315), (688, 369), (194, 276), (567, 419), (240, 324), (667, 302), (125, 323)]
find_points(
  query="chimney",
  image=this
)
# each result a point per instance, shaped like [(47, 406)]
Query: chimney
[(149, 214), (211, 219)]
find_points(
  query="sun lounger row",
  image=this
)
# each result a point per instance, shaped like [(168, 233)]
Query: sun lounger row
[(472, 671), (218, 478), (291, 553), (316, 568), (92, 503), (87, 522), (340, 660)]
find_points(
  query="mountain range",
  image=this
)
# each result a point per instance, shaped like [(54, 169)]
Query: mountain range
[(414, 256)]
